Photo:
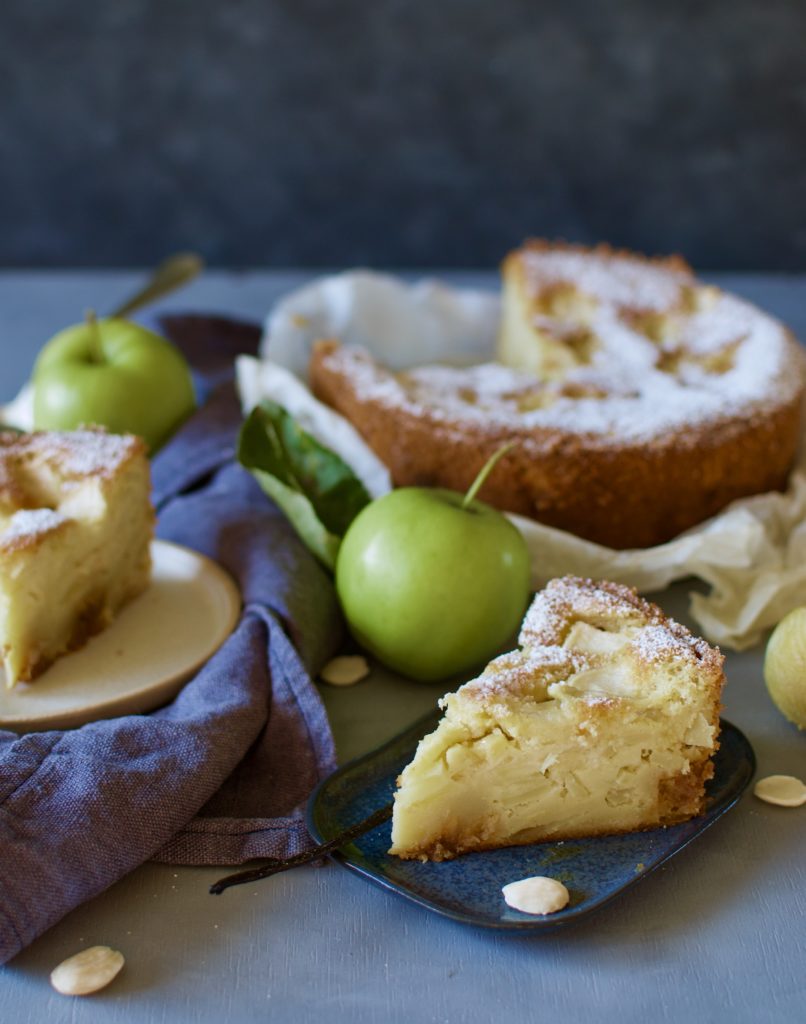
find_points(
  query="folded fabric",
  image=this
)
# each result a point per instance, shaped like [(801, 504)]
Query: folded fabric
[(222, 773)]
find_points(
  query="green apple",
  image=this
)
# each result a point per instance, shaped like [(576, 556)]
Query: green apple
[(785, 666), (432, 582), (116, 374)]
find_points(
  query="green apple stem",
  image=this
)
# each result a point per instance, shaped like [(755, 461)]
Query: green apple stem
[(171, 274), (484, 472), (95, 335)]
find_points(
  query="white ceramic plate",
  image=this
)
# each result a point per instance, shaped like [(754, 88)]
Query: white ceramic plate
[(141, 661)]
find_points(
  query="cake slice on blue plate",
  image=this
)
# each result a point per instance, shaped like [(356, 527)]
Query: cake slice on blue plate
[(605, 720)]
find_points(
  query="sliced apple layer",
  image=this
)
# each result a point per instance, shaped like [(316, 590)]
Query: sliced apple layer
[(604, 721)]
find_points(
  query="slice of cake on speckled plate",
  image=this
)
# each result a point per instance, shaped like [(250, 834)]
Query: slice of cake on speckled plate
[(604, 721), (76, 524)]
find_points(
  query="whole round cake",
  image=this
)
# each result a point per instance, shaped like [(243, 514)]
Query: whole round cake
[(639, 400)]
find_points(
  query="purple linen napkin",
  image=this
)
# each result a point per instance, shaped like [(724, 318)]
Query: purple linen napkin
[(222, 773)]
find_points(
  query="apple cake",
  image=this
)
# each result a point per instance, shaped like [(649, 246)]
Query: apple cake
[(76, 524), (640, 401), (604, 721)]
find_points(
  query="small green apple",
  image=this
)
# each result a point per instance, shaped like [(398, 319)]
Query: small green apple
[(785, 666), (116, 374), (432, 582)]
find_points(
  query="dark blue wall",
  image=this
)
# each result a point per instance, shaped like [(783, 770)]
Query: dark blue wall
[(422, 133)]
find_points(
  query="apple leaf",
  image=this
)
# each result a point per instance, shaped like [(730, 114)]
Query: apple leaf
[(302, 517), (316, 489)]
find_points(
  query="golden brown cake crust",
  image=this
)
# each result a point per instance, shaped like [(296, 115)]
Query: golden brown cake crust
[(92, 618), (617, 484)]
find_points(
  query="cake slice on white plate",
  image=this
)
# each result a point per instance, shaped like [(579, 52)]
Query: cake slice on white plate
[(604, 721), (76, 525)]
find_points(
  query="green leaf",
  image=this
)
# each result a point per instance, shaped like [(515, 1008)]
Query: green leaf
[(316, 489), (302, 517)]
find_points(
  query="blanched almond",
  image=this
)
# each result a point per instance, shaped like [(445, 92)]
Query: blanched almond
[(88, 971), (536, 895), (782, 790), (345, 670)]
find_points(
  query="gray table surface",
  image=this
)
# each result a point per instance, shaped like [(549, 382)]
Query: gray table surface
[(716, 935)]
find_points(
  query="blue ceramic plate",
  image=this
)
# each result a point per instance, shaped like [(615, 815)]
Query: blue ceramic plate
[(468, 889)]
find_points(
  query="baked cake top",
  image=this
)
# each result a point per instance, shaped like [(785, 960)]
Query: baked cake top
[(642, 348), (598, 641), (614, 277), (39, 471)]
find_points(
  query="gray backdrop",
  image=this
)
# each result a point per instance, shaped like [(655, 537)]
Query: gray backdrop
[(386, 132)]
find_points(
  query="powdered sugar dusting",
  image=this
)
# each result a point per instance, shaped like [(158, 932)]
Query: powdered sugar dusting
[(69, 454), (38, 469), (659, 644), (31, 522), (82, 453), (615, 279), (665, 353), (652, 639), (569, 599), (526, 672)]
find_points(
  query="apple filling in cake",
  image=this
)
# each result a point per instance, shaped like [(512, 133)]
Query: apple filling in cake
[(604, 721), (75, 530)]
